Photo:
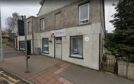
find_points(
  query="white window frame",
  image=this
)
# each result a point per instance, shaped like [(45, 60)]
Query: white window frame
[(80, 21), (42, 24)]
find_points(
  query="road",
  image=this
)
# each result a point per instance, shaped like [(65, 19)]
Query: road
[(11, 52)]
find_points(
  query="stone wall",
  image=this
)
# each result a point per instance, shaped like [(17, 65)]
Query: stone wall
[(126, 69), (69, 15), (33, 25)]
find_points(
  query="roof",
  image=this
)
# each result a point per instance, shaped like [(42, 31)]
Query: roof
[(31, 17), (42, 2)]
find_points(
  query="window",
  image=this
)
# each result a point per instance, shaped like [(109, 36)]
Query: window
[(29, 30), (22, 45), (45, 45), (42, 24), (76, 46), (58, 20), (84, 13)]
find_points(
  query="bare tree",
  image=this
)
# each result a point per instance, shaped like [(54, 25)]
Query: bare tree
[(12, 21), (11, 27)]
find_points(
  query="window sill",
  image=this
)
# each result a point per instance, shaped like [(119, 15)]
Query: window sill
[(41, 31), (89, 23), (45, 52), (76, 56), (22, 49)]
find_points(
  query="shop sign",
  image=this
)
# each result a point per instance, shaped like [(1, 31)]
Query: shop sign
[(59, 33)]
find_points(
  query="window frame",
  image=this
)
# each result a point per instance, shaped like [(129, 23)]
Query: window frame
[(76, 56), (42, 24), (20, 45), (45, 52), (80, 21), (56, 14), (29, 29)]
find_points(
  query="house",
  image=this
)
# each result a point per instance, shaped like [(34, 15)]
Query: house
[(5, 35), (71, 30), (31, 28)]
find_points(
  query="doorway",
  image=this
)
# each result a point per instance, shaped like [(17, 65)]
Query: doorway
[(29, 47), (58, 47)]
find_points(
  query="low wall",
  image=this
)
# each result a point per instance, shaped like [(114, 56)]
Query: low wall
[(130, 73), (126, 69)]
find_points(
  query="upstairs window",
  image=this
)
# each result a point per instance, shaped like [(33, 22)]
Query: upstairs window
[(58, 20), (84, 13), (42, 24), (29, 30)]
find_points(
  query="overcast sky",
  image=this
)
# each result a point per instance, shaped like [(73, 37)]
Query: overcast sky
[(23, 7), (109, 11), (31, 8)]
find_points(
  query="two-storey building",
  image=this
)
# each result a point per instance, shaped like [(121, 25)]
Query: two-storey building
[(71, 30), (31, 29)]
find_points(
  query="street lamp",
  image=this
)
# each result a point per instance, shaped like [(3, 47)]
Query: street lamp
[(26, 55)]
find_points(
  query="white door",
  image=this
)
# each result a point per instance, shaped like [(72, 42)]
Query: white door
[(58, 47)]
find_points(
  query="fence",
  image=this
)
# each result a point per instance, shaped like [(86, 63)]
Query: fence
[(109, 63)]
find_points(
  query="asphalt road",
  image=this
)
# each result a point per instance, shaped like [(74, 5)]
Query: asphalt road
[(11, 52)]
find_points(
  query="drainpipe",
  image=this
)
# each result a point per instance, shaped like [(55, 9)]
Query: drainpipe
[(102, 29), (33, 35)]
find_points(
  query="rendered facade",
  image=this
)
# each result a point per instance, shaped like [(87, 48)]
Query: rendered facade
[(70, 30)]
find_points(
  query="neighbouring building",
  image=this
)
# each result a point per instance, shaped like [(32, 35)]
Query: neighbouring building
[(31, 28), (71, 30), (5, 35)]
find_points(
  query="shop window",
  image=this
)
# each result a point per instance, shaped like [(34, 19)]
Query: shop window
[(45, 45), (22, 45), (76, 44)]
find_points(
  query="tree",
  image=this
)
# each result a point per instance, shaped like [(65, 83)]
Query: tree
[(11, 23), (110, 44), (123, 36)]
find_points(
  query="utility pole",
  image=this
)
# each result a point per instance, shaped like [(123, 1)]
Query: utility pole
[(1, 46), (26, 55)]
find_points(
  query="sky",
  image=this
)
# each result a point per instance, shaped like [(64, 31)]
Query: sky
[(109, 12), (31, 8)]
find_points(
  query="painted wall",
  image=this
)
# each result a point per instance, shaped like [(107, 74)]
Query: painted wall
[(91, 47), (22, 38)]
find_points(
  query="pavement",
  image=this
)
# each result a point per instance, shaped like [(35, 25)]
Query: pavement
[(47, 70)]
